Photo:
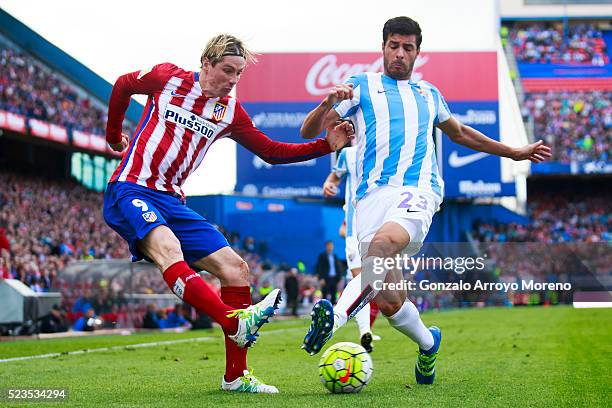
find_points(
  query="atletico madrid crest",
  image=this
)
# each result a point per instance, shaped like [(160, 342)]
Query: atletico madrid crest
[(149, 216), (219, 111)]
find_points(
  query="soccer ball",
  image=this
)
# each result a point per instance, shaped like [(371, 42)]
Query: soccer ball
[(345, 368)]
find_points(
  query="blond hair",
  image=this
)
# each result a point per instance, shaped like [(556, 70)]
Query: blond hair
[(223, 45)]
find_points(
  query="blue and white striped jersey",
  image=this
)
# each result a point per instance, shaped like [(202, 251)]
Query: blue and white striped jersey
[(394, 123), (346, 166)]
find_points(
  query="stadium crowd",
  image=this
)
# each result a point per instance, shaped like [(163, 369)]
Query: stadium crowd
[(44, 224), (556, 218), (567, 235), (28, 88), (546, 43), (577, 125)]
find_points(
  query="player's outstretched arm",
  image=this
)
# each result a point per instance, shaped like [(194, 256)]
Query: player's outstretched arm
[(323, 116), (274, 152), (244, 132), (139, 82), (470, 137)]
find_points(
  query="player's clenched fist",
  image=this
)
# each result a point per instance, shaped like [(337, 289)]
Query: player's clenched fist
[(339, 135), (329, 189), (339, 93), (119, 147)]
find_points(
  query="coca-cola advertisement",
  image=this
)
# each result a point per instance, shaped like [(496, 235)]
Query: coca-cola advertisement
[(280, 90), (301, 77)]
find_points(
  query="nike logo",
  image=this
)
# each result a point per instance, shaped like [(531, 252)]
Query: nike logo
[(412, 211), (177, 95), (382, 90), (144, 72), (346, 376), (454, 160)]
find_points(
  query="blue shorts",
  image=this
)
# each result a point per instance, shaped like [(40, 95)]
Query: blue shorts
[(133, 210)]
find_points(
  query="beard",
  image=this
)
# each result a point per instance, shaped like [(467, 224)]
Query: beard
[(399, 74)]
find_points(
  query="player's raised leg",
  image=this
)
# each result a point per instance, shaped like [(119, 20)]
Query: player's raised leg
[(190, 239), (239, 324), (163, 248), (327, 319), (401, 313), (233, 272)]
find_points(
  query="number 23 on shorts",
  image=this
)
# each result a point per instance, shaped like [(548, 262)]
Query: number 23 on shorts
[(413, 202)]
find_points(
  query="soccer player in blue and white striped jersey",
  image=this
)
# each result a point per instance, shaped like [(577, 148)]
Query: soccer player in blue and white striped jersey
[(399, 187)]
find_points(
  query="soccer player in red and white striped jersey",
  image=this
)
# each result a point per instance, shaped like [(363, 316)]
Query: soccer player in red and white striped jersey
[(185, 113)]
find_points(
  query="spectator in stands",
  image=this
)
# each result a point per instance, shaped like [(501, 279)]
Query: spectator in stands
[(82, 304), (49, 223), (577, 125), (29, 88), (249, 244), (87, 322), (329, 270), (555, 219), (4, 242), (35, 285), (151, 318), (292, 290), (264, 289), (54, 321), (545, 43), (5, 271), (202, 321), (175, 319)]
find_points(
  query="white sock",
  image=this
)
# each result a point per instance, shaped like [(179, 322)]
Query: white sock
[(353, 298), (363, 320), (349, 295), (408, 321)]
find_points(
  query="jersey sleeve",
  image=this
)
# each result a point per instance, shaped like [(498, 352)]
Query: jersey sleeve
[(348, 107), (443, 113), (341, 167), (244, 132), (145, 82)]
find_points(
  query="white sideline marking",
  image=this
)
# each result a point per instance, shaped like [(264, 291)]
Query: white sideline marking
[(123, 347), (141, 345), (588, 305)]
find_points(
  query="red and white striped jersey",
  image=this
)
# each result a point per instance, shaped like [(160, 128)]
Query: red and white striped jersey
[(178, 126)]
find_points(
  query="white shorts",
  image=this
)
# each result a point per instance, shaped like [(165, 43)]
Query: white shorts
[(410, 207), (353, 257)]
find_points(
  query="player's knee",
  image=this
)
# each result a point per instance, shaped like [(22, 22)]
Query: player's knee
[(389, 307), (382, 245), (168, 252), (236, 273)]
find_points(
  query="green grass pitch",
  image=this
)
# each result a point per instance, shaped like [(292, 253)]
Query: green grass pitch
[(536, 357)]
